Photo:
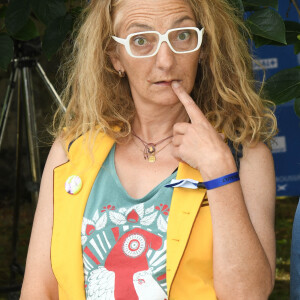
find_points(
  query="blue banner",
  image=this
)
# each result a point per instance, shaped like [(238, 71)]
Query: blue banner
[(286, 145)]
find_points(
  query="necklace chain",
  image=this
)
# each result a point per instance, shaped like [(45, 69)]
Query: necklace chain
[(157, 151), (149, 148)]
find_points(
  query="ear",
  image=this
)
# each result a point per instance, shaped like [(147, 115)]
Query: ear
[(115, 60)]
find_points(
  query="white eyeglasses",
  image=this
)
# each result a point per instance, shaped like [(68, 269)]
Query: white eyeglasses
[(147, 43)]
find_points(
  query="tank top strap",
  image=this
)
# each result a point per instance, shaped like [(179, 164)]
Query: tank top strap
[(237, 154)]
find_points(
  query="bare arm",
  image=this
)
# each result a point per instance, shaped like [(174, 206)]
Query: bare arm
[(243, 229), (39, 281), (242, 212)]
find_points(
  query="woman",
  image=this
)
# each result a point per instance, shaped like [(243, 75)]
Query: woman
[(157, 91), (295, 276)]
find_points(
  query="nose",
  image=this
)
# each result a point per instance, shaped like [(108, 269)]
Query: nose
[(165, 57)]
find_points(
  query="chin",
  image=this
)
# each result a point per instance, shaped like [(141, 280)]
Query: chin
[(169, 101), (168, 98)]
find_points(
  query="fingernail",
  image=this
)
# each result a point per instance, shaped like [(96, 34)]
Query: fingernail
[(175, 84)]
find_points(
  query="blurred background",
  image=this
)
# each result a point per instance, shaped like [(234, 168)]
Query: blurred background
[(52, 21)]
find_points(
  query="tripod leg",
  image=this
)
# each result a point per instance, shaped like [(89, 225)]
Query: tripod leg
[(31, 132), (15, 267), (7, 101), (50, 86)]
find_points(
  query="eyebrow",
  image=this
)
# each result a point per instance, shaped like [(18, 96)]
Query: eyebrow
[(182, 19), (139, 25), (147, 27)]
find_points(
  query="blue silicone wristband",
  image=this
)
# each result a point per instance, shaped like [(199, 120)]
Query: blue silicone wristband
[(215, 183)]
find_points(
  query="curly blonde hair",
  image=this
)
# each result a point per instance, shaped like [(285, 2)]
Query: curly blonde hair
[(97, 99)]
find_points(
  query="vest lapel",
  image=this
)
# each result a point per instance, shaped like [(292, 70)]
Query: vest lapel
[(66, 252), (184, 208)]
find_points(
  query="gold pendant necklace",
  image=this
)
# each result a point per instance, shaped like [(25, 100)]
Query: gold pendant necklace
[(149, 152), (149, 148)]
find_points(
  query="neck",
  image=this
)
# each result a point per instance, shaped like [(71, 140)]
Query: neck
[(155, 123)]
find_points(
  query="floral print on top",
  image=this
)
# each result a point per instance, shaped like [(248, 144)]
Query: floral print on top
[(124, 239)]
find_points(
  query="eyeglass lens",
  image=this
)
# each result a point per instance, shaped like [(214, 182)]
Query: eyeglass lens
[(146, 43)]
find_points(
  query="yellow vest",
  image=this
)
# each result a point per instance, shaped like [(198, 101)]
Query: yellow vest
[(189, 234)]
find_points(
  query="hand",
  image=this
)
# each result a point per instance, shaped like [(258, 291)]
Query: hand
[(198, 144)]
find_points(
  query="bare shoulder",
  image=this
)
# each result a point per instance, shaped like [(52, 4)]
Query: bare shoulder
[(257, 170), (57, 154), (257, 173), (39, 278), (259, 152)]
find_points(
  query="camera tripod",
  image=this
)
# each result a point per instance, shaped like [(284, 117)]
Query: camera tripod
[(25, 60)]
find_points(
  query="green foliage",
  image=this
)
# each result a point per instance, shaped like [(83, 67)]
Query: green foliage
[(268, 28), (284, 85), (27, 32), (53, 20), (17, 15), (268, 24), (297, 106), (6, 50), (56, 33), (293, 34), (260, 3), (48, 10)]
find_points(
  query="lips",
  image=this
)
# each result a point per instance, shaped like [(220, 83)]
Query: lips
[(165, 82)]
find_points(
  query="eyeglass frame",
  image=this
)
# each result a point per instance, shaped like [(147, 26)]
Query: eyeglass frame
[(162, 38)]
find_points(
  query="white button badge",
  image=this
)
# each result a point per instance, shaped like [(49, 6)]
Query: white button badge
[(73, 185)]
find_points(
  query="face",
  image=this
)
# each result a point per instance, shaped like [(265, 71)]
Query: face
[(150, 78)]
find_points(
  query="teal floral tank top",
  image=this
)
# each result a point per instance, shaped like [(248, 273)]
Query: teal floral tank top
[(124, 239)]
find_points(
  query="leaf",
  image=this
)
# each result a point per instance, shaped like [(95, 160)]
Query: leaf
[(260, 41), (48, 10), (148, 220), (292, 31), (123, 210), (268, 24), (259, 3), (283, 86), (149, 210), (85, 222), (297, 106), (297, 47), (96, 216), (162, 224), (28, 32), (17, 15), (292, 37), (6, 50), (117, 218), (101, 222), (56, 33)]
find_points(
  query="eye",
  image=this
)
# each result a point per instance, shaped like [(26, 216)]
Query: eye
[(182, 36), (140, 41)]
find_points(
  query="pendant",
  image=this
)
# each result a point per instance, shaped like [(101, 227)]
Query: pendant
[(151, 148), (151, 158), (149, 153)]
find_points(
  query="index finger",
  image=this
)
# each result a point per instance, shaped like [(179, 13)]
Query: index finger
[(194, 112)]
